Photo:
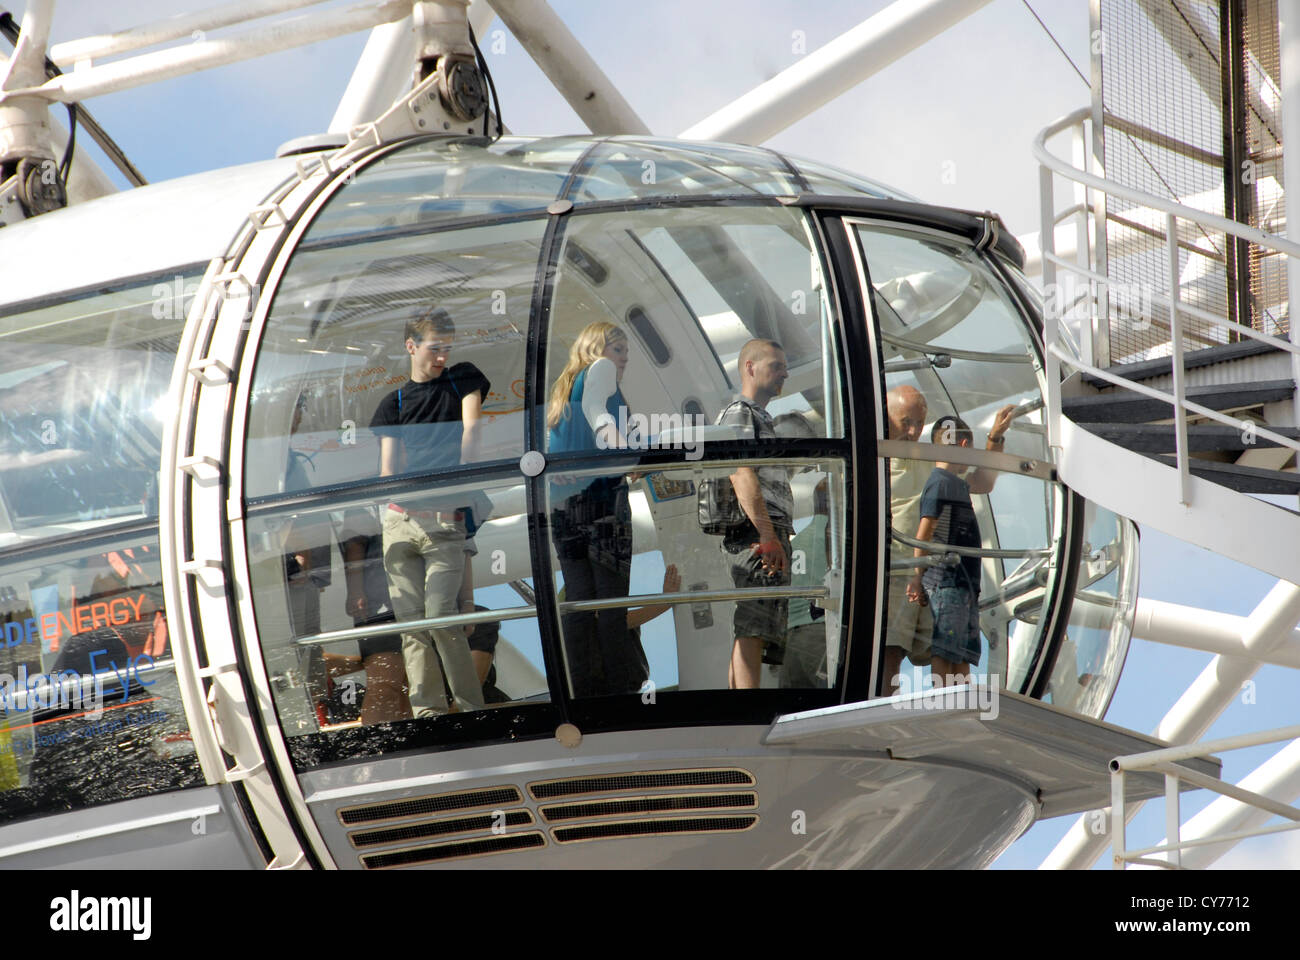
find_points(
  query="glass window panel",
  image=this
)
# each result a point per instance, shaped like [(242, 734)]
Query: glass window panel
[(90, 708), (833, 181), (83, 386), (1008, 562), (334, 371), (440, 180), (368, 563), (637, 536), (950, 331), (707, 281), (1101, 616), (629, 169)]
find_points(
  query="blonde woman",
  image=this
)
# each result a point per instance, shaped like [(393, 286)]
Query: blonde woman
[(591, 519)]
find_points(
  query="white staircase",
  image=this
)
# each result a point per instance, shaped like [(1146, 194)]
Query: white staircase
[(1123, 443)]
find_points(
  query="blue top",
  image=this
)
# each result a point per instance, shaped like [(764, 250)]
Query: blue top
[(946, 498), (573, 434)]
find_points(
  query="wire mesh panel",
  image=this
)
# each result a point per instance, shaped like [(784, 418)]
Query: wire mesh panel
[(1261, 171), (1162, 94)]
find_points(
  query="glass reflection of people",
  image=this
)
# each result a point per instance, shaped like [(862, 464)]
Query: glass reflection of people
[(759, 548), (805, 662), (948, 517), (592, 519), (431, 422), (907, 632)]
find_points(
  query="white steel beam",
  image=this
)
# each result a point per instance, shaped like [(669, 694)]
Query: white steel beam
[(385, 70), (1180, 626), (823, 75), (24, 121), (1205, 699), (569, 67), (173, 28), (1278, 778), (193, 57)]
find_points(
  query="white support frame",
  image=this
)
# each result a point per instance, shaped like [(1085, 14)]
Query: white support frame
[(1167, 762), (822, 76)]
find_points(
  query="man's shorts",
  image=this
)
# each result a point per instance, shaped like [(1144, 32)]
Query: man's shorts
[(909, 626), (764, 619), (388, 643), (956, 624)]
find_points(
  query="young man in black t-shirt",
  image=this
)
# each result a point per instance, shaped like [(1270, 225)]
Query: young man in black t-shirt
[(430, 423)]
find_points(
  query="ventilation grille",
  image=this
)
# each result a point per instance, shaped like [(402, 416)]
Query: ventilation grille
[(652, 828), (423, 806), (613, 783), (610, 808), (460, 850), (441, 828)]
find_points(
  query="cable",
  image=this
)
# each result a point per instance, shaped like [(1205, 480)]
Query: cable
[(65, 165), (492, 87), (1057, 42)]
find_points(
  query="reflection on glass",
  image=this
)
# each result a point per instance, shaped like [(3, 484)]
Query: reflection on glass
[(341, 364), (950, 332), (82, 389), (675, 542), (627, 168), (1100, 624), (687, 289), (435, 181), (90, 710), (969, 568), (365, 566), (822, 178)]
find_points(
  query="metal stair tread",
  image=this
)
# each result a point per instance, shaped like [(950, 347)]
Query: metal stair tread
[(1241, 479), (1163, 366), (1129, 407), (1201, 437)]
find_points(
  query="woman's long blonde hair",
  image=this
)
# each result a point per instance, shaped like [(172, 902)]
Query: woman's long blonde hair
[(586, 350)]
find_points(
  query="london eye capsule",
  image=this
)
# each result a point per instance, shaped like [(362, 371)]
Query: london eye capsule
[(584, 502)]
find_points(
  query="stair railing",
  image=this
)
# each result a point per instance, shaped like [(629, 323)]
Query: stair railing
[(1058, 352)]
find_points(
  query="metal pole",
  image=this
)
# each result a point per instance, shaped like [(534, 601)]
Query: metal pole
[(1088, 323), (565, 61), (1117, 822), (173, 28), (823, 75), (1176, 342), (1173, 820), (1053, 300), (191, 58)]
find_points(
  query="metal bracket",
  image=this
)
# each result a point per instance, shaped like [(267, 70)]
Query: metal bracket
[(193, 567), (200, 372), (260, 217)]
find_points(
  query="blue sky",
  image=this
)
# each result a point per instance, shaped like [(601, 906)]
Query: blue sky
[(951, 123)]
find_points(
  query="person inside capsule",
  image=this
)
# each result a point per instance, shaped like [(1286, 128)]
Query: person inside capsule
[(430, 423), (758, 547), (592, 519)]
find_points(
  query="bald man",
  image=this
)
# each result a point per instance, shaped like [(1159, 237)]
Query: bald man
[(908, 629)]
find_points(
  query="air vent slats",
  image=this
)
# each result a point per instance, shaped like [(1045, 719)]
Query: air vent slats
[(441, 828), (435, 853), (614, 783), (656, 804), (652, 828), (424, 806)]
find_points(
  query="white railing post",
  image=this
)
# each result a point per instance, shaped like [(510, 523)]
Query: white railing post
[(1173, 821), (1176, 342), (1117, 817), (1087, 323), (1053, 301)]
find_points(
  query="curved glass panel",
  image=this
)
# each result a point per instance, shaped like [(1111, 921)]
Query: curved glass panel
[(970, 586), (435, 181), (706, 281), (337, 373), (833, 181), (90, 708), (626, 169), (1100, 624), (83, 387), (679, 530), (950, 332), (364, 565)]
